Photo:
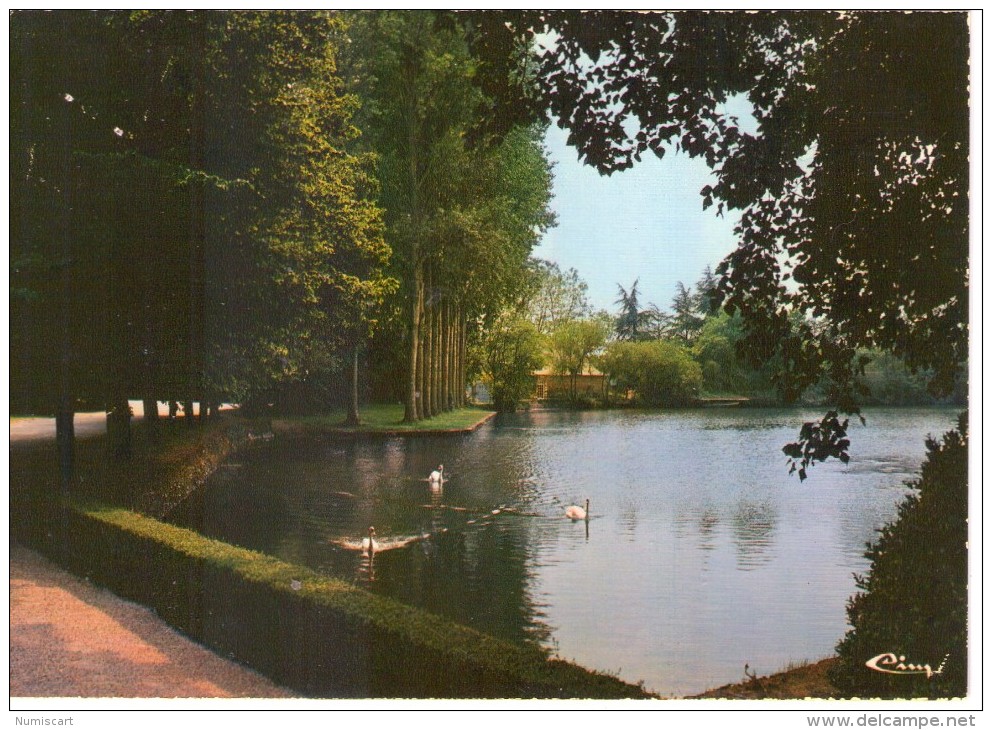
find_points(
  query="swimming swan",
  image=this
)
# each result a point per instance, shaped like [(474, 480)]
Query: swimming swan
[(369, 545), (577, 513), (437, 476)]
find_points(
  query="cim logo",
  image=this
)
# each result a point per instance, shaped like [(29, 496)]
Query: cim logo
[(889, 663)]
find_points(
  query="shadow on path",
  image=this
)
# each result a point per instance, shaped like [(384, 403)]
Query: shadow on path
[(71, 639)]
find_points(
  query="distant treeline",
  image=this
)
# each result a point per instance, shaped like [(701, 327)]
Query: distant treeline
[(673, 357)]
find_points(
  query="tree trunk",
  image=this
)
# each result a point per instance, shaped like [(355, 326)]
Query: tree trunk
[(421, 404), (412, 411), (435, 361), (420, 371), (462, 367), (119, 427), (65, 429), (459, 385), (65, 439), (436, 374), (428, 389), (353, 418), (188, 412), (446, 362), (150, 407)]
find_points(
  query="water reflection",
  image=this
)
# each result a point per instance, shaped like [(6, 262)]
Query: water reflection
[(702, 553), (366, 569), (753, 528)]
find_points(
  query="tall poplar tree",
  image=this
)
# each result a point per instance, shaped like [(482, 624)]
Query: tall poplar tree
[(463, 210)]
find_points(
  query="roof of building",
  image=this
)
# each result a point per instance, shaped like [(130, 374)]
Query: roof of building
[(587, 370)]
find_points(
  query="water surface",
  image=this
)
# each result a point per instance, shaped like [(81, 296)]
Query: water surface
[(701, 553)]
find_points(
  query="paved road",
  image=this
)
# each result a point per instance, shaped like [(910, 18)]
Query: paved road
[(71, 639), (24, 430), (43, 429)]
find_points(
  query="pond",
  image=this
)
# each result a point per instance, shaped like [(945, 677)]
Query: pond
[(701, 553)]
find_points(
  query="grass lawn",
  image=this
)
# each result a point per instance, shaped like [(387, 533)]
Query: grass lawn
[(385, 418)]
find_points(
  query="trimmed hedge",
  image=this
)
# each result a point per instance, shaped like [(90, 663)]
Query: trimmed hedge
[(318, 635)]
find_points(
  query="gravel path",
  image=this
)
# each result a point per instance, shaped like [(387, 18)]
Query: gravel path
[(71, 639)]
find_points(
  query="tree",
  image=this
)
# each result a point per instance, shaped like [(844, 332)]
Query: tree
[(229, 131), (629, 319), (661, 373), (462, 212), (559, 297), (707, 292), (685, 321), (509, 352), (571, 346), (854, 186)]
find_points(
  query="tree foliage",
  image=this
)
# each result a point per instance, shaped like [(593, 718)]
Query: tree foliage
[(219, 229), (571, 346), (659, 372), (853, 190), (509, 351), (635, 323), (725, 370), (463, 209), (556, 297), (686, 319)]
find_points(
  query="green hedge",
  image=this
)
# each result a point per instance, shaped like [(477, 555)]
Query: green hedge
[(320, 636), (914, 600)]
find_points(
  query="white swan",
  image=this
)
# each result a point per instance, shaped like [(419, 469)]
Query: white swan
[(577, 513), (437, 476), (369, 545)]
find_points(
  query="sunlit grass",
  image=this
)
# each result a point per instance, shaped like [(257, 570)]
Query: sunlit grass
[(388, 418)]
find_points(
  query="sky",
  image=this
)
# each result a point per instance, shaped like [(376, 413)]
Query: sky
[(644, 223)]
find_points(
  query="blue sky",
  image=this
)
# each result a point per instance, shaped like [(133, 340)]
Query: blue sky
[(645, 223)]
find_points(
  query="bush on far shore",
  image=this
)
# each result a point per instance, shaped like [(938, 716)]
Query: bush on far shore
[(660, 372)]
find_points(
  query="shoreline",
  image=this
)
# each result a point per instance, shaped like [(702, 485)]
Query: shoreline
[(807, 680), (301, 427)]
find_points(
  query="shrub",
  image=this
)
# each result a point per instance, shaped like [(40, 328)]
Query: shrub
[(914, 600), (510, 352), (660, 372)]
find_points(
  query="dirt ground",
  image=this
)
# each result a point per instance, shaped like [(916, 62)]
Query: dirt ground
[(802, 682), (69, 638)]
